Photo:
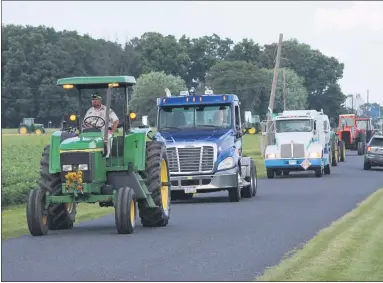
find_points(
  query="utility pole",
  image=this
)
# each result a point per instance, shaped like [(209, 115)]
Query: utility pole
[(270, 133), (284, 89), (368, 104)]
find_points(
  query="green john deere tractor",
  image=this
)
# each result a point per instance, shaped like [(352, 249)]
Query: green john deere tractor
[(27, 126), (75, 169)]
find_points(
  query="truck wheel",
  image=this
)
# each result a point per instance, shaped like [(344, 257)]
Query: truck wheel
[(342, 147), (250, 190), (157, 180), (125, 211), (235, 193), (60, 216), (327, 169), (270, 173), (366, 166), (318, 171), (36, 216)]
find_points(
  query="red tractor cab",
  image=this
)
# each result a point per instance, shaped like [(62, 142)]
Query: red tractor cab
[(348, 132)]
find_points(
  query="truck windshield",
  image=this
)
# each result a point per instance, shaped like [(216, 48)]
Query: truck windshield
[(347, 121), (378, 142), (198, 116), (294, 125), (362, 124)]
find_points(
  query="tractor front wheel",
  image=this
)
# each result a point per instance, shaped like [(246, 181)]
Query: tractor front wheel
[(36, 214), (157, 180), (60, 215), (342, 151), (125, 211)]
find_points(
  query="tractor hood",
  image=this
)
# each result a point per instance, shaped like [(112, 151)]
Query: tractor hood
[(197, 135), (82, 143), (283, 138)]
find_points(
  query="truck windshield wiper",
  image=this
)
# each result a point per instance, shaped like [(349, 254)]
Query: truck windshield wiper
[(209, 126), (170, 128)]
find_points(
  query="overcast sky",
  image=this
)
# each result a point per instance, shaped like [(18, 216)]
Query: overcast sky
[(350, 31)]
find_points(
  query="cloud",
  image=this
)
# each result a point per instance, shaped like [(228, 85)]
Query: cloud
[(364, 15)]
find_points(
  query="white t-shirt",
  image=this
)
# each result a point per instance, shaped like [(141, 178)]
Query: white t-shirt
[(101, 112)]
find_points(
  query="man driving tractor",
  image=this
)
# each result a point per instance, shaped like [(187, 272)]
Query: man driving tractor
[(99, 110)]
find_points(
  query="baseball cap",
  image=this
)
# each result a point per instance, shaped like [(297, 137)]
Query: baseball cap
[(96, 96)]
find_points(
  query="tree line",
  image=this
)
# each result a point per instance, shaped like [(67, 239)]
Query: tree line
[(33, 58)]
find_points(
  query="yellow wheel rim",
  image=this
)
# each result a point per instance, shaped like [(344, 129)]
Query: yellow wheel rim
[(44, 219), (132, 212), (38, 132), (252, 131), (69, 207), (23, 130), (164, 189)]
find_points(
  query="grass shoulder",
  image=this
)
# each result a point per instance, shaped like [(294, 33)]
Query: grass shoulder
[(351, 249)]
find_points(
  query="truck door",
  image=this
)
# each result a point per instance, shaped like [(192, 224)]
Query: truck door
[(238, 128)]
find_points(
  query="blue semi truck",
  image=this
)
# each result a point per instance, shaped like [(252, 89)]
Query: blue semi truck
[(203, 137)]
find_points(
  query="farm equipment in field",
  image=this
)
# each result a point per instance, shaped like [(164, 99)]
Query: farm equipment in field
[(349, 132), (252, 122), (75, 169), (28, 126)]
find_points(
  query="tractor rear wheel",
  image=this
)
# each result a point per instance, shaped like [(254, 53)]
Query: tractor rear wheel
[(36, 216), (61, 215), (125, 211), (157, 180)]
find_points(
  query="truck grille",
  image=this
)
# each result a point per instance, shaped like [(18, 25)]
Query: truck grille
[(191, 159), (298, 151)]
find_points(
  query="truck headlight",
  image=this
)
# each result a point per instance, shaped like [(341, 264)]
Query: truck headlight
[(67, 168), (315, 155), (83, 167), (228, 162), (271, 156)]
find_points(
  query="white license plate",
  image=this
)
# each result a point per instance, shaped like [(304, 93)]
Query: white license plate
[(190, 190), (292, 162)]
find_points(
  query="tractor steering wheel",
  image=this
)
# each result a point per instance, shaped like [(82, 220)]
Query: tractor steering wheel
[(94, 124)]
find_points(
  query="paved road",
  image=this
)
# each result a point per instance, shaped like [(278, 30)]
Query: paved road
[(205, 241)]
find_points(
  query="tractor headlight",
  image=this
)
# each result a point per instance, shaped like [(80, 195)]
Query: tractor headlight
[(67, 168), (83, 167), (315, 155), (226, 163)]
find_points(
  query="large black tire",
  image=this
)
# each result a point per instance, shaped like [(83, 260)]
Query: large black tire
[(156, 160), (60, 216), (335, 155), (342, 151), (318, 172), (250, 190), (235, 193), (366, 166), (125, 211), (36, 216)]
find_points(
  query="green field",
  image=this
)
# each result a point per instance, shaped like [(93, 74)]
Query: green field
[(351, 249), (20, 173)]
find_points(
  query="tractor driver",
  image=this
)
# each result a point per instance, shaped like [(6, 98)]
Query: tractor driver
[(99, 110)]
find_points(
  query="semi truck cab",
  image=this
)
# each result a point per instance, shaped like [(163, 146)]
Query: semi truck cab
[(203, 137)]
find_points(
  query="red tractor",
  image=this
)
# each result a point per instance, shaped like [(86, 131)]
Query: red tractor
[(349, 132)]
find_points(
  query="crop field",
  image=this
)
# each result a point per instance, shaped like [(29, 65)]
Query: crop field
[(21, 156)]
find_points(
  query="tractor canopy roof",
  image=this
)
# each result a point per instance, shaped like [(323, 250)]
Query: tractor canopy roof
[(96, 82)]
